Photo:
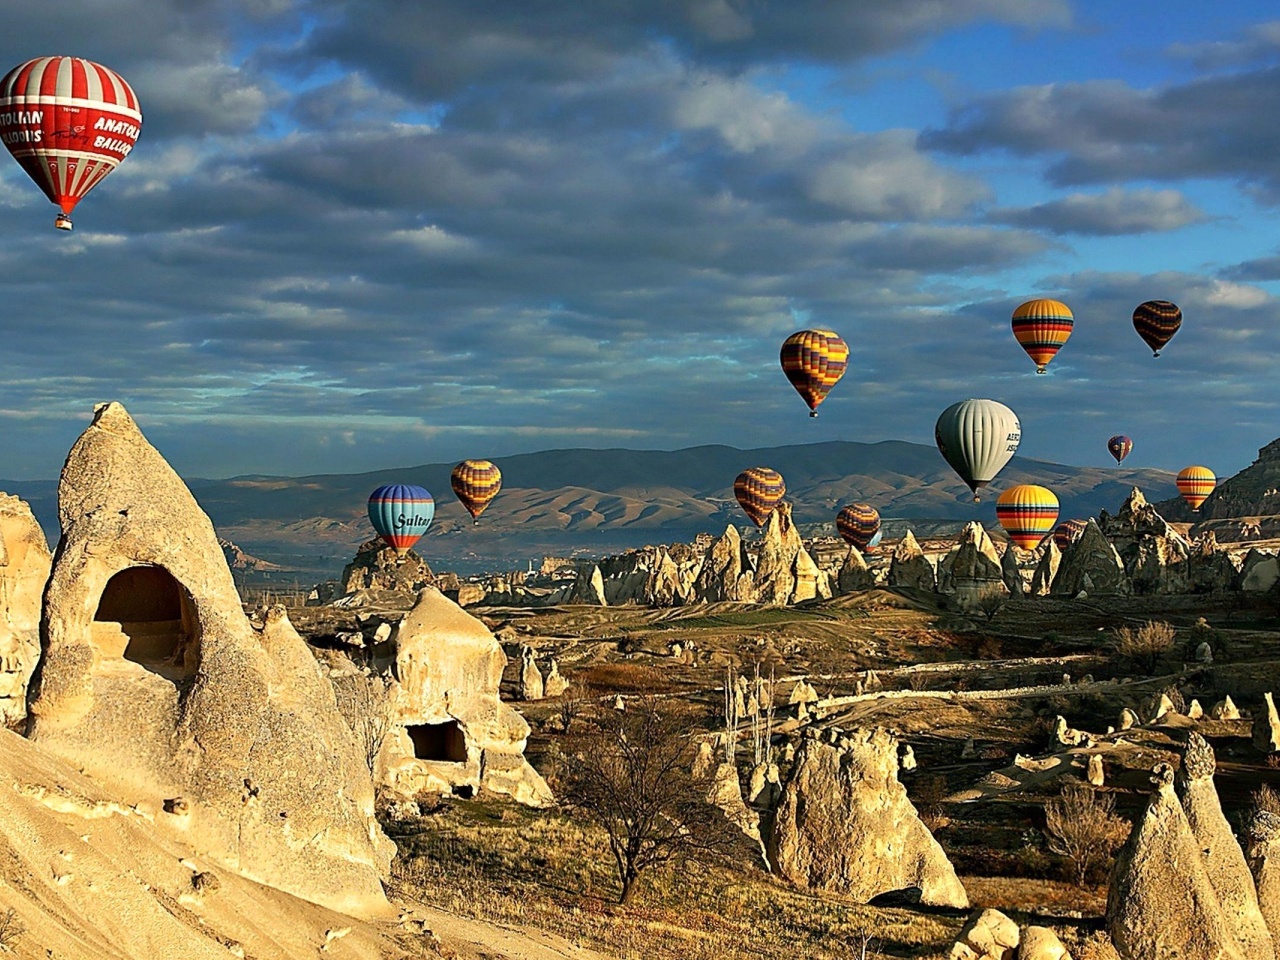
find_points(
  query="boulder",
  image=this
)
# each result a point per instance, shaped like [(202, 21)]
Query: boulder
[(25, 563), (1090, 565), (1046, 569), (1266, 726), (449, 731), (1194, 710), (1263, 834), (909, 567), (1095, 773), (1223, 859), (153, 681), (1161, 903), (844, 824), (1128, 719), (987, 935), (1210, 567), (1041, 943)]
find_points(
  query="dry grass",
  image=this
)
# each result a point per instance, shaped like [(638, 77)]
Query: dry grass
[(1145, 645), (551, 872)]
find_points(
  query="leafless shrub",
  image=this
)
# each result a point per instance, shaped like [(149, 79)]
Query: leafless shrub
[(11, 930), (633, 774), (928, 792), (1082, 826), (991, 601), (569, 708), (362, 701), (1266, 799), (1145, 645)]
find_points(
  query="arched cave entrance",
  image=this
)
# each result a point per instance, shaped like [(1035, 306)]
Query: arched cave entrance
[(438, 741), (147, 616)]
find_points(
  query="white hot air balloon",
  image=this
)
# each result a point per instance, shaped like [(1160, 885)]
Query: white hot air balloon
[(977, 437)]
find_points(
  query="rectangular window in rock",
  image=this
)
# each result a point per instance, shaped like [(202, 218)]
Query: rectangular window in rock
[(438, 741)]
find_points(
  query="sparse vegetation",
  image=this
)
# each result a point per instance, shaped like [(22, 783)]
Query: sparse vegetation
[(1266, 799), (11, 930), (1143, 646), (632, 774), (991, 601), (1081, 825), (362, 701)]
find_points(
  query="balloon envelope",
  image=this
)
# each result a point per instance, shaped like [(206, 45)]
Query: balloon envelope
[(1195, 484), (401, 513), (69, 122), (1027, 512), (475, 483), (858, 524), (1068, 532), (977, 437), (1119, 447), (758, 491), (814, 361), (1041, 327), (1156, 322)]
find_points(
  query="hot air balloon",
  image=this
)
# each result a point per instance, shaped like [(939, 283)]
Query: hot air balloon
[(1041, 327), (814, 361), (1068, 532), (977, 437), (858, 523), (401, 513), (1027, 512), (874, 542), (475, 482), (69, 122), (1195, 484), (1156, 322), (1119, 447), (758, 491)]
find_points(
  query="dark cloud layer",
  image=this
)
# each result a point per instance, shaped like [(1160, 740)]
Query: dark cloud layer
[(368, 232)]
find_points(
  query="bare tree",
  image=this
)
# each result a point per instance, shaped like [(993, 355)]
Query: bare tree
[(362, 701), (1145, 645), (991, 601), (633, 774), (1082, 826), (762, 719)]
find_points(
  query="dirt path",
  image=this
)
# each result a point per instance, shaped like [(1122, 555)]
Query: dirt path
[(490, 941)]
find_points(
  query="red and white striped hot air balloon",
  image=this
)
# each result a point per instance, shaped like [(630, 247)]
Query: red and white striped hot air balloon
[(69, 122)]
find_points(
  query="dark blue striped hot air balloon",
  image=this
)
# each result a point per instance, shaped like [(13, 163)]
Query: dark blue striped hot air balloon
[(401, 513)]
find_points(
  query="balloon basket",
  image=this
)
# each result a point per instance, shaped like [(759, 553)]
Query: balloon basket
[(1156, 353), (813, 414), (63, 222), (1041, 371)]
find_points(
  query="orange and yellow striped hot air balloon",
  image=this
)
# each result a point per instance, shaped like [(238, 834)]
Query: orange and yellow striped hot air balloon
[(1195, 484), (1027, 512), (858, 524), (814, 361), (1041, 327), (758, 491), (475, 483), (1068, 532)]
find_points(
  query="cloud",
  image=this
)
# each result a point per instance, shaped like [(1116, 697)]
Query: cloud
[(1114, 213)]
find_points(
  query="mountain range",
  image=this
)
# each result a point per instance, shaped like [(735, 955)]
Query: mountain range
[(593, 501)]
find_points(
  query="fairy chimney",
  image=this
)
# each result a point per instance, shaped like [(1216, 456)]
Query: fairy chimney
[(24, 569), (153, 681)]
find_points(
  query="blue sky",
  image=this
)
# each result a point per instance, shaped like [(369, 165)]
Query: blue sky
[(361, 233)]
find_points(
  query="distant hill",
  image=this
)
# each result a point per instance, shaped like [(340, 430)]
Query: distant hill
[(596, 500), (1253, 492)]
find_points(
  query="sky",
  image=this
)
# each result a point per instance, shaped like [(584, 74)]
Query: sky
[(357, 234)]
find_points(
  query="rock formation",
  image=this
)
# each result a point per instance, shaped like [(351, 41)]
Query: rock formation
[(588, 587), (153, 681), (1258, 572), (971, 569), (1041, 943), (726, 572), (1161, 903), (987, 935), (909, 567), (555, 685), (844, 824), (377, 567), (24, 570), (1154, 555), (1225, 709), (1090, 564), (1011, 573), (854, 573), (1266, 726), (1210, 568), (785, 573), (449, 731), (1223, 859), (1046, 569), (1263, 831), (531, 685)]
